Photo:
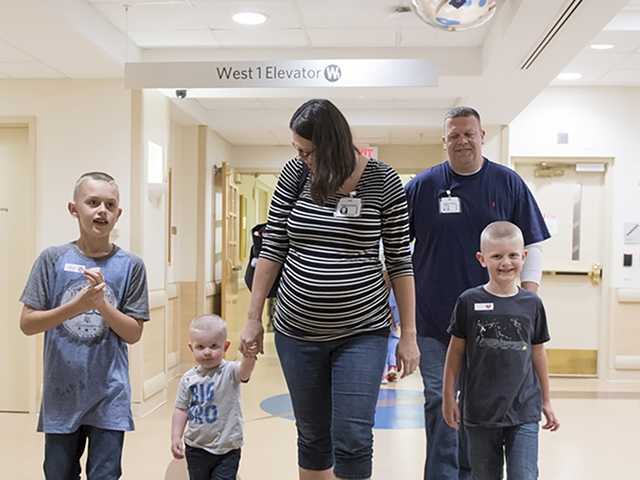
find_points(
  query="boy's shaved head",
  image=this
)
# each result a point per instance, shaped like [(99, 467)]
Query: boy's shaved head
[(99, 176), (500, 231), (208, 324)]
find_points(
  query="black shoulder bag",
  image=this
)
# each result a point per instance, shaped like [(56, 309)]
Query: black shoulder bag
[(256, 235)]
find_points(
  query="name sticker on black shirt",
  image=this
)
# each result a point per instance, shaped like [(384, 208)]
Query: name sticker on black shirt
[(483, 307)]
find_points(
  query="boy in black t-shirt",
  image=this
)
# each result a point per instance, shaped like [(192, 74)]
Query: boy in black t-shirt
[(498, 331)]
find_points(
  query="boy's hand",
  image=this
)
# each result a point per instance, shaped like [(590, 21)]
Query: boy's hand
[(451, 413), (552, 423), (177, 448), (90, 297)]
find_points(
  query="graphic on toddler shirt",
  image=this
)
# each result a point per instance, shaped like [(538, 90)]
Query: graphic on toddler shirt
[(201, 408), (501, 332), (87, 327)]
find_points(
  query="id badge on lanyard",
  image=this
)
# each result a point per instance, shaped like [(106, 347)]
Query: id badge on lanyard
[(348, 207), (450, 204)]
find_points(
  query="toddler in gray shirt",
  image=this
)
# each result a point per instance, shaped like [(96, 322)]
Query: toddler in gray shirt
[(208, 404)]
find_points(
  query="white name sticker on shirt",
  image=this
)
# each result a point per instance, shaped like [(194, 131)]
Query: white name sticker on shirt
[(482, 307), (72, 267), (450, 205)]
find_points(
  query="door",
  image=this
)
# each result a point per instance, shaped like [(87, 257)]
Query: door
[(16, 256), (573, 204), (231, 266)]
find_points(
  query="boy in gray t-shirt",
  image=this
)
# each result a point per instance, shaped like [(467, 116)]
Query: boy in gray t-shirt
[(89, 297), (208, 404)]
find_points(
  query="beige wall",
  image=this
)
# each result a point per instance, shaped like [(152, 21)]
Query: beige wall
[(80, 126), (404, 158)]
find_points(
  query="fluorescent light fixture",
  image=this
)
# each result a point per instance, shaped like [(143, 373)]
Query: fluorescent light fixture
[(569, 76), (249, 18), (155, 163), (155, 172), (602, 46)]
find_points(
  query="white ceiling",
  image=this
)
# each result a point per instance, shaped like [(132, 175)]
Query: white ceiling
[(619, 66), (481, 67)]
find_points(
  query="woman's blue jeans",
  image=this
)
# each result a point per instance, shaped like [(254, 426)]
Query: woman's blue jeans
[(334, 390)]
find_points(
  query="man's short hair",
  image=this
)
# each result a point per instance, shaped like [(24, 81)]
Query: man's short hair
[(100, 176), (208, 323), (501, 231), (457, 112)]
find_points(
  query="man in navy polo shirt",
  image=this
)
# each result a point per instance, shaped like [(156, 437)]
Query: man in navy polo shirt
[(449, 206)]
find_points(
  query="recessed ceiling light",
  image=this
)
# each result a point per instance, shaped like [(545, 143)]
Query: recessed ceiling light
[(249, 18), (570, 76), (602, 46)]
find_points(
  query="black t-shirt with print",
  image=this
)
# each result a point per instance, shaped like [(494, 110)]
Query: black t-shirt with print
[(500, 387)]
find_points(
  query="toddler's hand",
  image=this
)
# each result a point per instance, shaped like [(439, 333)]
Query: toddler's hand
[(177, 449), (251, 351)]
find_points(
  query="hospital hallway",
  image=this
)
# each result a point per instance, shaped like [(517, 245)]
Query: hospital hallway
[(597, 439)]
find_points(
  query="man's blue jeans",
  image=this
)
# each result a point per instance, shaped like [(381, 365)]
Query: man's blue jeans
[(446, 448), (62, 452), (488, 447), (334, 391)]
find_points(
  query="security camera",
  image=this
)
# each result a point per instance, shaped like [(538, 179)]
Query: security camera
[(181, 93)]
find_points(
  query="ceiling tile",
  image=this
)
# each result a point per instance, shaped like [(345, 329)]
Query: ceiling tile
[(622, 77), (431, 37), (352, 37), (260, 38), (355, 13), (593, 66), (174, 38), (624, 42)]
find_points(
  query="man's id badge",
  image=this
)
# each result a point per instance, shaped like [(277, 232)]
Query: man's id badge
[(450, 205), (483, 307), (348, 207)]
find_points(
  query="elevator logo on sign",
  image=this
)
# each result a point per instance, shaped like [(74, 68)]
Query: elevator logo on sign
[(332, 73), (282, 74)]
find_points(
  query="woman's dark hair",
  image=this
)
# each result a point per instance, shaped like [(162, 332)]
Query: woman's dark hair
[(320, 122)]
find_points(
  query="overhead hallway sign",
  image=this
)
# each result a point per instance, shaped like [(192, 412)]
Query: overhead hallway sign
[(285, 73)]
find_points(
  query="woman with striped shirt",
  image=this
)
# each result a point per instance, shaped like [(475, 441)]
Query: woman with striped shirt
[(329, 211)]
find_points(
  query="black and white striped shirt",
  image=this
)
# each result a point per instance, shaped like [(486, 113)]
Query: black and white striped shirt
[(332, 285)]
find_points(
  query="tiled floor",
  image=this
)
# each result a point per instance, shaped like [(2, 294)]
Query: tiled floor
[(598, 439)]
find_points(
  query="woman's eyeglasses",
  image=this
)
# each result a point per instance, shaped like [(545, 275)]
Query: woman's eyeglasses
[(302, 155)]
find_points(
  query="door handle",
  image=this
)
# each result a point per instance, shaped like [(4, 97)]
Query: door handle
[(236, 268), (4, 209), (595, 275)]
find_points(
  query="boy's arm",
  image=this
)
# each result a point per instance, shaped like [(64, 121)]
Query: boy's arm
[(540, 365), (126, 327), (452, 366), (178, 423), (34, 321), (247, 363)]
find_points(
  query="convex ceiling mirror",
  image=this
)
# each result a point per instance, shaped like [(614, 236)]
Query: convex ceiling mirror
[(455, 15)]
